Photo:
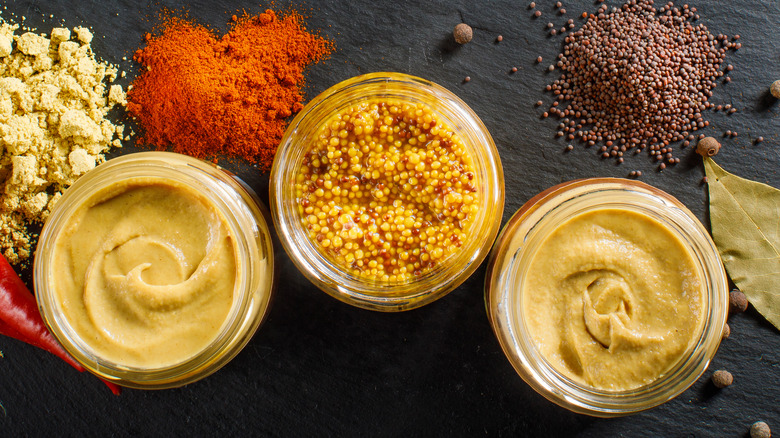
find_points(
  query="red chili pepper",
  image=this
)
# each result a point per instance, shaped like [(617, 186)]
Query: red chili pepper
[(20, 319)]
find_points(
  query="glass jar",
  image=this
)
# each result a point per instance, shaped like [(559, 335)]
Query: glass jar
[(509, 264), (244, 217), (309, 257)]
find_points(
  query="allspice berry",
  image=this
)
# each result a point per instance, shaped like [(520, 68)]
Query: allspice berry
[(722, 378), (462, 33), (738, 302), (707, 147), (775, 89), (759, 429)]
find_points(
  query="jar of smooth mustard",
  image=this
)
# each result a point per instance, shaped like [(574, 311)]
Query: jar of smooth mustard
[(155, 269), (607, 295)]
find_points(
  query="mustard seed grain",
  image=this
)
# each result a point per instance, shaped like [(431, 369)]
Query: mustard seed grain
[(538, 14), (388, 190)]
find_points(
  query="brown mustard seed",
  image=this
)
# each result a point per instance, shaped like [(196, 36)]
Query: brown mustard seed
[(722, 379), (538, 14), (500, 38), (738, 302), (467, 79), (531, 5), (514, 69), (462, 33), (708, 147), (775, 89), (538, 59), (759, 429), (726, 331), (662, 60), (759, 140)]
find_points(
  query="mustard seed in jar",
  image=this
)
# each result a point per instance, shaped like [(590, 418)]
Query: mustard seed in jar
[(388, 191)]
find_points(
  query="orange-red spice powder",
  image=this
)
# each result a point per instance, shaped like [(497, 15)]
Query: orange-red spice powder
[(210, 96)]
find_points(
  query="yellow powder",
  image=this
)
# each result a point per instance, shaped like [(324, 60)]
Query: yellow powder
[(54, 96)]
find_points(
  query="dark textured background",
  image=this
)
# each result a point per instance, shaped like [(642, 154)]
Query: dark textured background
[(322, 368)]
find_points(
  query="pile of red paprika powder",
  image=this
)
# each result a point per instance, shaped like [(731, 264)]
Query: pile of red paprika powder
[(207, 96)]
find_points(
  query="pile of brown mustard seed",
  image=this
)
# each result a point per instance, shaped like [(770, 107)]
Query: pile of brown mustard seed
[(636, 77)]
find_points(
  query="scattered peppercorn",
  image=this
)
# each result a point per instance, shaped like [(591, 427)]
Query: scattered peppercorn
[(462, 33), (726, 331), (638, 76), (759, 429), (708, 147), (722, 379), (775, 89), (738, 302)]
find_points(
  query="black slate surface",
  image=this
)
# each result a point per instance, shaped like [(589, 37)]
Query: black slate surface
[(322, 368)]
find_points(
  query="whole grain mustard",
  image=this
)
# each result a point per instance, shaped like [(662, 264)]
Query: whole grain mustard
[(388, 191)]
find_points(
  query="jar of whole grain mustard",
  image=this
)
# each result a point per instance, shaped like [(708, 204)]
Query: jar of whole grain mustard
[(155, 269), (387, 191), (607, 295)]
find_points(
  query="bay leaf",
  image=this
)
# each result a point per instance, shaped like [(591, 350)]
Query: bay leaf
[(745, 219)]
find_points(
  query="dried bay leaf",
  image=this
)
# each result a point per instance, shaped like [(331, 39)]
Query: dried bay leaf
[(745, 219)]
